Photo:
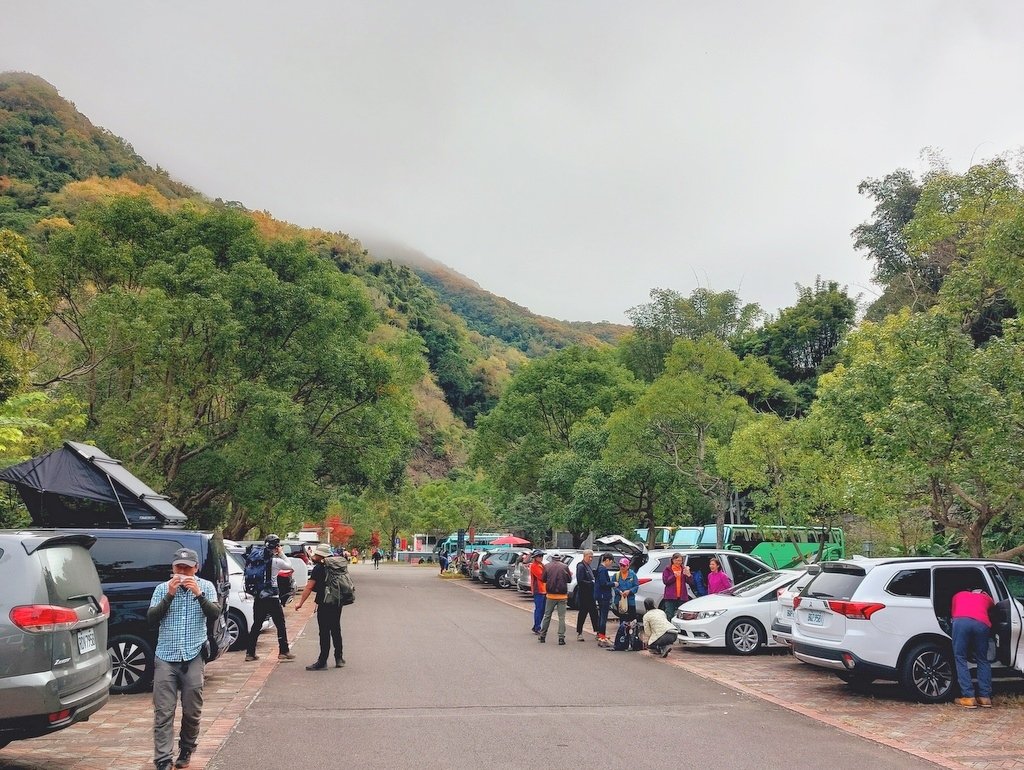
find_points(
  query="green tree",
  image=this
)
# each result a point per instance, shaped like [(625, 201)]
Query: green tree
[(536, 413), (670, 316), (22, 306), (801, 343), (940, 418)]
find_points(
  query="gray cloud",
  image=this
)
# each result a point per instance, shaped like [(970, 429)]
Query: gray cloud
[(568, 155)]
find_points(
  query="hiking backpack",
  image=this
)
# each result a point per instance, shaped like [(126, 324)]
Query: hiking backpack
[(622, 638), (258, 582), (338, 586)]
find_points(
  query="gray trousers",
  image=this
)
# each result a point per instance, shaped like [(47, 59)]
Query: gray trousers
[(170, 679), (550, 605)]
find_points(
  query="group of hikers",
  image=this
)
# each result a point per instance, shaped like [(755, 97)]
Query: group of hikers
[(603, 588)]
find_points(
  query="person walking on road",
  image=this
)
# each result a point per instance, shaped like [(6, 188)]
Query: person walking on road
[(376, 558), (585, 582), (269, 603), (556, 580), (182, 606), (328, 616), (537, 588), (972, 627), (659, 632), (603, 595)]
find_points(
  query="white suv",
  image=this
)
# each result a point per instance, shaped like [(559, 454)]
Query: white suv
[(870, 619)]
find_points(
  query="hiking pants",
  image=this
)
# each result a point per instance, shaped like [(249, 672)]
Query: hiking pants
[(585, 606), (550, 605), (538, 611), (970, 637), (328, 618), (667, 639), (603, 607), (170, 680), (261, 608)]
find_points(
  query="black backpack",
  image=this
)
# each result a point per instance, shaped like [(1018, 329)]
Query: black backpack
[(257, 573), (622, 637)]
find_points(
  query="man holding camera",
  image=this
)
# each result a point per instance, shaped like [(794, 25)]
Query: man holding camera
[(269, 603), (182, 607)]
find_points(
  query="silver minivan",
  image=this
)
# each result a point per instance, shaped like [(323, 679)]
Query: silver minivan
[(54, 666)]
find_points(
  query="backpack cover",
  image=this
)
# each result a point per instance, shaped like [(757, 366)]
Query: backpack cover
[(338, 586), (257, 573)]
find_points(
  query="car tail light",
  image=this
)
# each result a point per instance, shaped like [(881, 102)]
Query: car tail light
[(796, 601), (487, 560), (854, 610), (42, 618), (302, 555), (641, 581), (105, 605), (58, 716), (285, 573)]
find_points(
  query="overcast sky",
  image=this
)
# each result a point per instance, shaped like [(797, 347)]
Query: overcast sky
[(570, 154)]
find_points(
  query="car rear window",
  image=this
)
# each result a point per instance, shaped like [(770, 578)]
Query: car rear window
[(133, 560), (835, 583), (69, 572)]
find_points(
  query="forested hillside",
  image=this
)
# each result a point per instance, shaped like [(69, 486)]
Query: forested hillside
[(495, 316)]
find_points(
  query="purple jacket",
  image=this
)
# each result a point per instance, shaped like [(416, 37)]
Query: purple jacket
[(718, 582), (668, 577)]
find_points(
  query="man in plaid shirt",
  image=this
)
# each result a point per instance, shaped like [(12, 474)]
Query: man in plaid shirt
[(181, 606)]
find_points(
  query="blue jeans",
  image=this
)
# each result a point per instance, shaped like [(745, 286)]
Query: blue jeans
[(603, 605), (538, 610), (970, 636)]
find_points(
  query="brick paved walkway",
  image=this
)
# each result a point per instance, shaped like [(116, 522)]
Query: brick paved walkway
[(120, 735), (981, 739)]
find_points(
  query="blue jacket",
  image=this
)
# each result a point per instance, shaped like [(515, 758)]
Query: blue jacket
[(603, 579), (628, 583)]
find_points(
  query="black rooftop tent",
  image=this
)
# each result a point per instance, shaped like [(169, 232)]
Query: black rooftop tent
[(80, 486)]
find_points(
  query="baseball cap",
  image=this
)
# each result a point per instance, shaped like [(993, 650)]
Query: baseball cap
[(272, 540), (623, 562), (185, 556), (537, 552)]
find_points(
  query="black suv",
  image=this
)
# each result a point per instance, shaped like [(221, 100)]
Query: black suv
[(131, 563)]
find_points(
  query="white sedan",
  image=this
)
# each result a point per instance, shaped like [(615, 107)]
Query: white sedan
[(737, 619)]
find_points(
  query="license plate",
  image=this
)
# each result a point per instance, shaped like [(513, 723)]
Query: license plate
[(815, 619), (86, 640), (789, 613)]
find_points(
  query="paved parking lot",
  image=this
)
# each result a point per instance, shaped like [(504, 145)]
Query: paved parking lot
[(983, 739), (119, 737)]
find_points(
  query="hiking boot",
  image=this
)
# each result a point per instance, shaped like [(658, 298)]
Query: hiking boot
[(540, 639), (286, 656), (250, 658), (166, 765), (579, 638), (318, 666), (967, 703), (339, 662), (561, 640), (985, 703), (184, 757), (665, 651)]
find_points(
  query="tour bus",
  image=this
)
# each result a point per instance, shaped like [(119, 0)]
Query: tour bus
[(481, 542), (774, 545), (672, 537)]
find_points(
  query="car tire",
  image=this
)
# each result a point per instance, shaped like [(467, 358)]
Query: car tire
[(745, 636), (927, 673), (238, 632), (501, 579), (131, 658)]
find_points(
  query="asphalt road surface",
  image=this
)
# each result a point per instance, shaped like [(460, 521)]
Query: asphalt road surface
[(440, 675)]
